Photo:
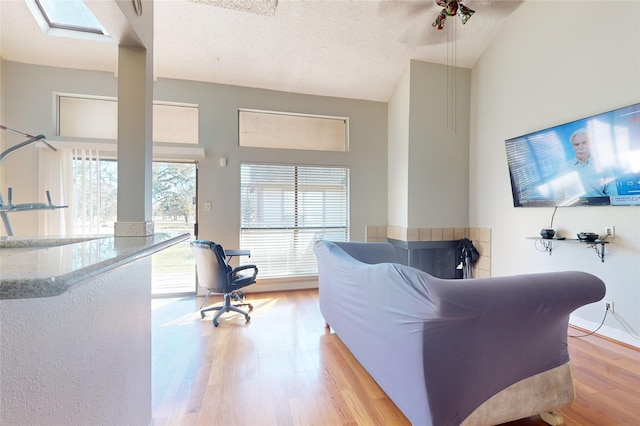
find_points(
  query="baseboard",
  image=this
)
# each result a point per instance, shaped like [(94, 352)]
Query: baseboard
[(276, 284), (606, 331), (288, 284)]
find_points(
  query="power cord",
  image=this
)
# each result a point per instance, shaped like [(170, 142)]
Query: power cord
[(553, 215), (593, 332)]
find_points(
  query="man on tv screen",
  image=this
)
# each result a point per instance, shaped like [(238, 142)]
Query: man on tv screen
[(585, 176)]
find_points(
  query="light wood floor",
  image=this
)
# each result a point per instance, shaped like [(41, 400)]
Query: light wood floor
[(284, 368)]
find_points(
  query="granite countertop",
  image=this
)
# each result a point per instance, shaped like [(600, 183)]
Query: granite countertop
[(46, 267)]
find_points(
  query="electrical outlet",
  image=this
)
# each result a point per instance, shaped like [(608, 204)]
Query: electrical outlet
[(610, 232), (608, 304)]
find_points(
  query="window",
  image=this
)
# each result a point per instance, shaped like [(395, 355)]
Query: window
[(69, 15), (95, 193), (260, 129), (89, 118), (68, 18), (97, 118), (285, 209)]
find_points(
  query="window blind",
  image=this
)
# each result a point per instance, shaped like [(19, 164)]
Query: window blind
[(94, 198), (285, 209), (262, 129), (97, 118)]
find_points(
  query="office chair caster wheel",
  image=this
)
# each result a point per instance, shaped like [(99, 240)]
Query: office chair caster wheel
[(250, 308), (202, 315), (247, 318), (215, 323)]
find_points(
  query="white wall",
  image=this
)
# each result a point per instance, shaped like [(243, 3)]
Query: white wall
[(551, 63)]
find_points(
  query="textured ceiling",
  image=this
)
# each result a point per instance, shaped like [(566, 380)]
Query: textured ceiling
[(350, 49)]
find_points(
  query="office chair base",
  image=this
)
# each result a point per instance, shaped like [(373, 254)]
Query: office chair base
[(236, 294), (247, 318), (228, 307)]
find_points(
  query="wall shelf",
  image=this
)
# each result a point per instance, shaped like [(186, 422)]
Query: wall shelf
[(547, 244)]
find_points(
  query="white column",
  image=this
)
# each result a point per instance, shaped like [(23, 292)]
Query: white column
[(135, 108)]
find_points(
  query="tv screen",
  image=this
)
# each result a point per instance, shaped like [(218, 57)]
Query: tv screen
[(590, 162)]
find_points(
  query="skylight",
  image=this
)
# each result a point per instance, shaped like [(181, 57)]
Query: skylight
[(69, 15), (68, 18)]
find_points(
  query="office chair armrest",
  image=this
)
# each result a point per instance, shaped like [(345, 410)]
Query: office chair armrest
[(242, 268)]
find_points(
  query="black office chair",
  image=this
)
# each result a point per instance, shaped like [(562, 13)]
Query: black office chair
[(215, 274)]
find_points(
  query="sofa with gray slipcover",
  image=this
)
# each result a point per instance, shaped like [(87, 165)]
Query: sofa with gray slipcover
[(454, 352)]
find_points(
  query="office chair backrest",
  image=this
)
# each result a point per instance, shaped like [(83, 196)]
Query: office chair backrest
[(211, 266)]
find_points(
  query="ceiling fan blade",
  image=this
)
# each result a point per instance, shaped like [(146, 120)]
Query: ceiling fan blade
[(439, 22), (465, 13)]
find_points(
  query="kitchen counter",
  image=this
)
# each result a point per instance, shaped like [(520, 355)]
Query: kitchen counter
[(45, 267), (83, 356)]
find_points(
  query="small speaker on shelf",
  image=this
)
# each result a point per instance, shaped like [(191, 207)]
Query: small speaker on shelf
[(547, 233)]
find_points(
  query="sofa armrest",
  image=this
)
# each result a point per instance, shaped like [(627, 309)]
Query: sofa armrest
[(480, 336)]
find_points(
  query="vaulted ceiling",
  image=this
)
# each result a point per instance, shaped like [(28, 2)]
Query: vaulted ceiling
[(349, 49)]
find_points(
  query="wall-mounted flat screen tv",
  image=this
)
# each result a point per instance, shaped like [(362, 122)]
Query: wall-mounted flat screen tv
[(590, 162)]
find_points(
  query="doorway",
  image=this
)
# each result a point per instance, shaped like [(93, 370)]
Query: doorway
[(175, 207)]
